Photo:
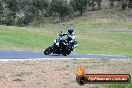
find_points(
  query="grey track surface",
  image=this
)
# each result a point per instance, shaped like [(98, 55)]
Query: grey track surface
[(11, 54)]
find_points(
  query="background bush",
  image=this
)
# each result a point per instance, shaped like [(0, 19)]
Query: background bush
[(61, 7), (24, 12)]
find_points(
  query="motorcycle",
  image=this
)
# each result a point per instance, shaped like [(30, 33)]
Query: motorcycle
[(60, 46)]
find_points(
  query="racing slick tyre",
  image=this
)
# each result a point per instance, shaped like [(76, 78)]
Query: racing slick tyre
[(64, 54), (48, 50)]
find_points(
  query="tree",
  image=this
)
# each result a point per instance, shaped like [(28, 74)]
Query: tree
[(93, 3), (124, 4), (41, 7), (1, 7), (11, 4), (30, 10), (79, 5), (22, 12), (8, 11), (26, 13), (130, 4), (40, 4), (61, 7), (98, 3), (1, 11), (111, 3)]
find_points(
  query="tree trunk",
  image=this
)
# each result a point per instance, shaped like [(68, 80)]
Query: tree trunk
[(130, 4), (124, 4), (111, 4), (99, 5), (81, 13), (93, 5)]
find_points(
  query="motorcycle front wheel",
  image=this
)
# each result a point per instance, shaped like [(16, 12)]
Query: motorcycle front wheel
[(48, 50), (64, 54)]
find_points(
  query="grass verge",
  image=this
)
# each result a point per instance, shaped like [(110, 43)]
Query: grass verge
[(97, 32), (119, 86), (89, 41)]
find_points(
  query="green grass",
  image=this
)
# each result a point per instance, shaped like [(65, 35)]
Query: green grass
[(93, 42), (119, 86), (103, 19), (22, 38), (94, 32), (105, 43)]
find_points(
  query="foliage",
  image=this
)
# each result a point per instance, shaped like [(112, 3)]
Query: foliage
[(8, 11), (120, 86), (25, 12), (92, 3), (130, 4), (1, 10), (122, 3), (99, 3), (22, 12), (79, 5), (61, 7)]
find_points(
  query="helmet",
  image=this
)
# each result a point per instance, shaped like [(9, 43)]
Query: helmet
[(70, 30)]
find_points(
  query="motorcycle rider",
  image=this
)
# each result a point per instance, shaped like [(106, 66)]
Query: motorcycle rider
[(70, 37)]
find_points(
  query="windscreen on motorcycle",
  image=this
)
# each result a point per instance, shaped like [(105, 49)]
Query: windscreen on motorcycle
[(59, 38)]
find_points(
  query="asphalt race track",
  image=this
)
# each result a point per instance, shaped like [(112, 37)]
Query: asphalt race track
[(11, 54)]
